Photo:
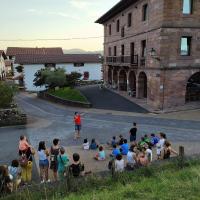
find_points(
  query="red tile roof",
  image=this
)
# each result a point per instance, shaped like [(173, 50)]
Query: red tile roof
[(13, 51), (58, 59)]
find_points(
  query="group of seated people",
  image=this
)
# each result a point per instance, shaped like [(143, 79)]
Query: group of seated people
[(133, 155), (140, 154)]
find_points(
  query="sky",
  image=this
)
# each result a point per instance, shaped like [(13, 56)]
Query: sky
[(52, 19)]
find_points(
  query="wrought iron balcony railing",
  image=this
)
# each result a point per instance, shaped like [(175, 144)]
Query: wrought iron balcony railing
[(131, 60)]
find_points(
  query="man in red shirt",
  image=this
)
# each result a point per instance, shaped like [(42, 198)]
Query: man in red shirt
[(77, 122)]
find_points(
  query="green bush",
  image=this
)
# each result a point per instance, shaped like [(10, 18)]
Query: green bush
[(7, 93)]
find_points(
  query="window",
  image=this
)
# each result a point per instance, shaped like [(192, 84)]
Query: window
[(122, 32), (78, 64), (122, 53), (143, 44), (118, 26), (115, 50), (187, 6), (86, 75), (129, 19), (122, 50), (186, 46), (144, 12), (109, 51), (110, 29)]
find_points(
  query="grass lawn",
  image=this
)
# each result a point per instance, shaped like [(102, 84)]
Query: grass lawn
[(161, 182), (69, 94), (168, 184)]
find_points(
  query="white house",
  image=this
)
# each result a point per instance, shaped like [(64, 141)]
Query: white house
[(89, 65), (2, 65), (12, 52)]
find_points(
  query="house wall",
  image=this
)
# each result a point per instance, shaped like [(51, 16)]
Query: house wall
[(2, 68), (94, 69), (29, 72)]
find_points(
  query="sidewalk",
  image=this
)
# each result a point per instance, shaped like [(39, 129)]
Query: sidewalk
[(143, 103)]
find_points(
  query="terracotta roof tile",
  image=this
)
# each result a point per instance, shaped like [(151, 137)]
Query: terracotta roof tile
[(12, 51), (58, 59)]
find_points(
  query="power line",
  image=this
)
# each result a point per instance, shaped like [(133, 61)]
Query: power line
[(50, 39)]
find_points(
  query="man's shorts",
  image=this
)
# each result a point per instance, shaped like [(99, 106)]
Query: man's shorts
[(77, 127)]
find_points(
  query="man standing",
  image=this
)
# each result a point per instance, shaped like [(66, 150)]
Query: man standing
[(77, 122), (133, 133)]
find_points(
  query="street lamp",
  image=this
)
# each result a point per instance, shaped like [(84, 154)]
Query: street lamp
[(154, 55)]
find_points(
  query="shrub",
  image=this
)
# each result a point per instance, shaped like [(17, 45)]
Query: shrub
[(7, 93)]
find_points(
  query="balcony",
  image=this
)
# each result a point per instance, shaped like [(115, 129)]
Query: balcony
[(122, 60)]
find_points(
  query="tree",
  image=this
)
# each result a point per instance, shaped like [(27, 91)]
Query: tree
[(7, 93), (19, 68), (55, 78), (72, 79), (50, 78)]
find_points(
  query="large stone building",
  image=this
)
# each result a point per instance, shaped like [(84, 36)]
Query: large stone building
[(152, 50)]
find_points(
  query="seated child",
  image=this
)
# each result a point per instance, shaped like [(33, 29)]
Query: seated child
[(113, 142), (142, 160), (101, 154), (86, 144), (124, 147), (121, 140), (115, 151), (147, 139), (154, 139), (93, 145), (15, 171), (148, 152), (142, 142), (119, 163), (131, 157), (76, 168)]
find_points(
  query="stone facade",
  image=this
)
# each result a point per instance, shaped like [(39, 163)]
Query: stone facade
[(159, 73)]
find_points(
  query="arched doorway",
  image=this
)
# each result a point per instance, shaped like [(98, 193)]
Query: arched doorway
[(115, 79), (142, 85), (132, 83), (110, 76), (193, 88), (122, 80)]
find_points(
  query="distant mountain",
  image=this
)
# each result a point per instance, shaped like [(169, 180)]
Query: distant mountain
[(81, 51)]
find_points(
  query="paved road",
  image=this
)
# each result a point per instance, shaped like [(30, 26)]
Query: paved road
[(105, 99), (49, 120)]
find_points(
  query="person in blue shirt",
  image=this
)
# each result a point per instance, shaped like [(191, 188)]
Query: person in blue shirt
[(93, 145), (124, 147), (154, 139), (115, 151)]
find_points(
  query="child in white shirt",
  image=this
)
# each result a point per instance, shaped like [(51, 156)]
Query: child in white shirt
[(86, 144)]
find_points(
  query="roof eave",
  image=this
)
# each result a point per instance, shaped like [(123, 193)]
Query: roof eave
[(119, 7)]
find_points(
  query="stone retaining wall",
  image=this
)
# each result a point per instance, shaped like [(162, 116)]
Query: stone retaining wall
[(56, 99), (11, 117)]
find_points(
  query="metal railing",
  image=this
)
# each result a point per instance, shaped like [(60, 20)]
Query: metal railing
[(131, 60)]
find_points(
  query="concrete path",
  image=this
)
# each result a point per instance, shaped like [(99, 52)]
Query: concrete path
[(105, 99)]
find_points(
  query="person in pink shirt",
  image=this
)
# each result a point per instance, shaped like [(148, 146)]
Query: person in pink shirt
[(23, 144)]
